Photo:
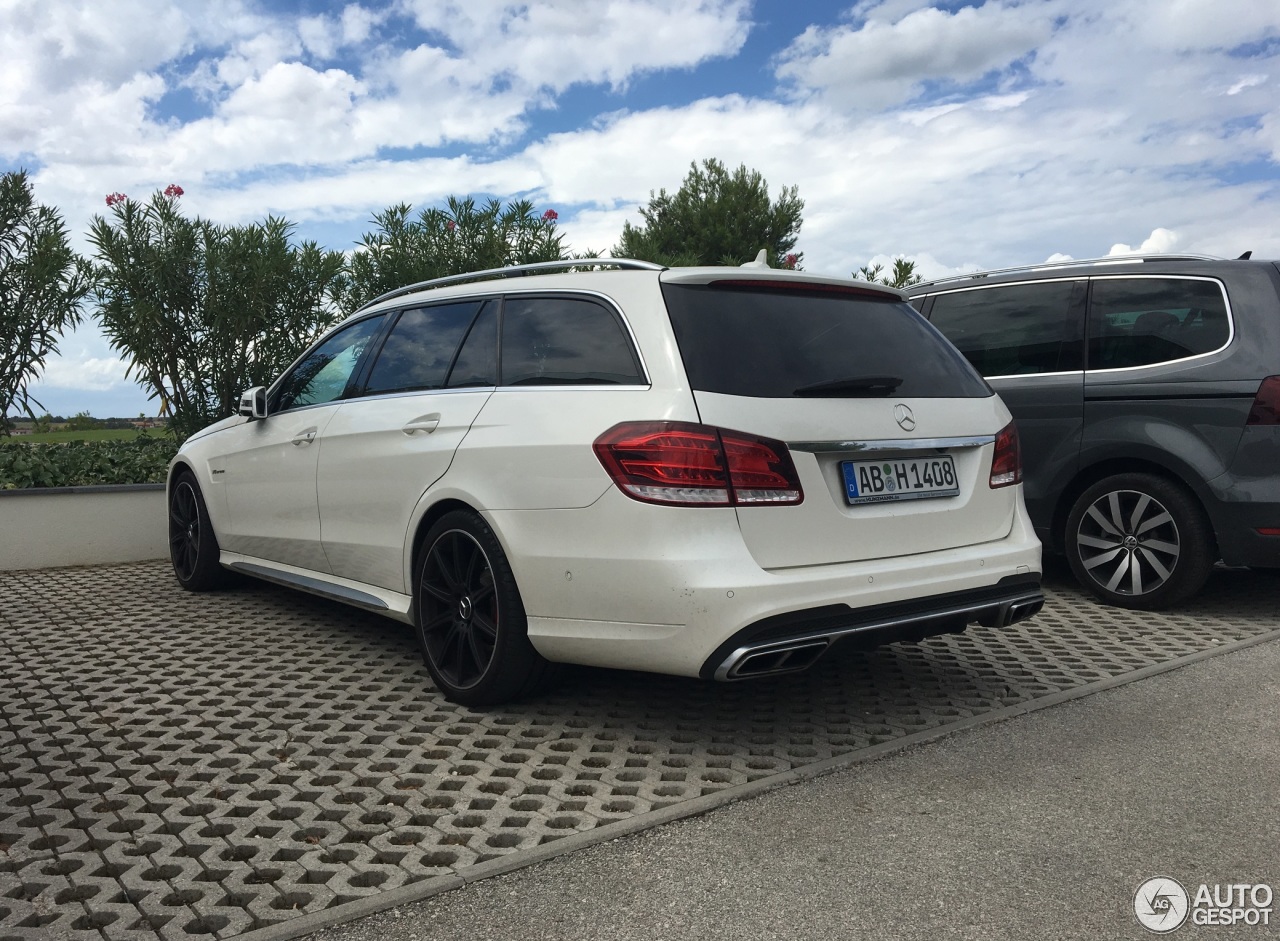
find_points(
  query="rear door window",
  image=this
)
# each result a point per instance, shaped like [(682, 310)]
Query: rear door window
[(1015, 329), (420, 348), (1142, 321), (791, 342), (565, 341), (477, 362)]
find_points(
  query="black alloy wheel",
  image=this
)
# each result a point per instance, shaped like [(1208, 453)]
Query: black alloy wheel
[(193, 547), (471, 621), (460, 608), (1139, 541)]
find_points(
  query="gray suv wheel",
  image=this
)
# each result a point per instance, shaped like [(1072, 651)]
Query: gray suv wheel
[(1139, 541)]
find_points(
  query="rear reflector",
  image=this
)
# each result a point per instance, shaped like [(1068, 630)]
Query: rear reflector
[(686, 464), (1266, 404), (1006, 459), (1268, 530)]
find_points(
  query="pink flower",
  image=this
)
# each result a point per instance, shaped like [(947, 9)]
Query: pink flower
[(551, 215), (790, 260), (113, 198), (451, 225), (173, 190)]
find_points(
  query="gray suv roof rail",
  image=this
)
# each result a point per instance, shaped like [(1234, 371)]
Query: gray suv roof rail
[(1071, 263), (512, 271)]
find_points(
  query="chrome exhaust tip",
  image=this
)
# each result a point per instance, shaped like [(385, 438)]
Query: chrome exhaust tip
[(1021, 610), (750, 662), (1011, 612)]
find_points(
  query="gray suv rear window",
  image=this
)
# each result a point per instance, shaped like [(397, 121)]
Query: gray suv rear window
[(787, 342), (1141, 321)]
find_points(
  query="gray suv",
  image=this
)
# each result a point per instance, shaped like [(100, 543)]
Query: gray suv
[(1147, 396)]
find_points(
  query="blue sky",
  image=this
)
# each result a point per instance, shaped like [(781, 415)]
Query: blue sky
[(961, 136)]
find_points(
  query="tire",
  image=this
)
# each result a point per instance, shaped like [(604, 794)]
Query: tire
[(471, 622), (193, 545), (1139, 541)]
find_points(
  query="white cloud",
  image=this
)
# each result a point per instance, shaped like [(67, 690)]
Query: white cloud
[(555, 43), (1249, 81), (885, 60), (1160, 241), (93, 374)]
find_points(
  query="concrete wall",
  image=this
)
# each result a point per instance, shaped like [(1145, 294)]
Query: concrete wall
[(82, 526)]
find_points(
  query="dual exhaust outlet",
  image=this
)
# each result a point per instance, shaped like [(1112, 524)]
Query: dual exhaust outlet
[(770, 658)]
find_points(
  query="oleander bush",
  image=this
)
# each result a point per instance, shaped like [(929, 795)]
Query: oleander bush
[(141, 460)]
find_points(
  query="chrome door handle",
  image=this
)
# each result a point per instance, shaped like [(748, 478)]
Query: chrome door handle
[(305, 438), (427, 424)]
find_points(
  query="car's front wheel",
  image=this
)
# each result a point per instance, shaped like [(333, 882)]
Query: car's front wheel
[(471, 621), (1139, 541), (193, 546)]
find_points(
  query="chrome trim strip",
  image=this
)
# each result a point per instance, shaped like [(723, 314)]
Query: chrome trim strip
[(1098, 371), (1029, 375), (726, 669), (892, 444), (313, 586), (1074, 262)]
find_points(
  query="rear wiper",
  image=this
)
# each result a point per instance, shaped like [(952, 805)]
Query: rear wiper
[(855, 385)]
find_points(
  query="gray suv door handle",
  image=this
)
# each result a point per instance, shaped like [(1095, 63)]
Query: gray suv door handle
[(426, 423), (304, 438)]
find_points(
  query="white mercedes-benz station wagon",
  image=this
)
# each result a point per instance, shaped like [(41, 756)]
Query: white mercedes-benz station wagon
[(708, 472)]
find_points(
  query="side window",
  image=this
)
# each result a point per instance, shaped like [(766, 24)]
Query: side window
[(1141, 321), (420, 348), (1017, 329), (564, 341), (477, 363), (322, 376)]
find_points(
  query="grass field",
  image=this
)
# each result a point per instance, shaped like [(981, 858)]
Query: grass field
[(96, 434)]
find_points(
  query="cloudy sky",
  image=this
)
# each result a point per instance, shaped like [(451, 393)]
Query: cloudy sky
[(961, 136)]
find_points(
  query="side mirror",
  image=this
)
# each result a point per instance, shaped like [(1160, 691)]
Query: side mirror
[(253, 404)]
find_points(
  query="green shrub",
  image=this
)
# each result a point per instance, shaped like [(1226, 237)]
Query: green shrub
[(142, 460)]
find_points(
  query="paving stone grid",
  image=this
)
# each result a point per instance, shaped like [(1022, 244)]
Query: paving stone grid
[(181, 766)]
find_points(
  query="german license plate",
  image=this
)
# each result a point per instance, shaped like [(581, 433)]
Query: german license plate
[(916, 478)]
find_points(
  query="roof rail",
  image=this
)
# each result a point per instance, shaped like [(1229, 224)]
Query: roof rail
[(1071, 263), (512, 271)]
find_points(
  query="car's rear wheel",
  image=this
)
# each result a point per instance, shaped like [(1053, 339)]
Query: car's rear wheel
[(471, 621), (193, 546), (1139, 541)]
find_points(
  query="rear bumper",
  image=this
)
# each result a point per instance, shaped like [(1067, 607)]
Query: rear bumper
[(792, 642), (1247, 498), (1236, 527), (632, 586)]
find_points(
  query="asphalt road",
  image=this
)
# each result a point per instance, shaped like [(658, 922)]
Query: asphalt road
[(1043, 826)]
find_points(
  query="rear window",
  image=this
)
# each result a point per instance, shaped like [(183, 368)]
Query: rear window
[(788, 343), (1142, 321)]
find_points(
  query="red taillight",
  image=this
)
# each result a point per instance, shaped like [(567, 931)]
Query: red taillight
[(1266, 404), (1006, 460), (684, 464)]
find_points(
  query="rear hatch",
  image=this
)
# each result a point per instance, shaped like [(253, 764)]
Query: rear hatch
[(891, 430)]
